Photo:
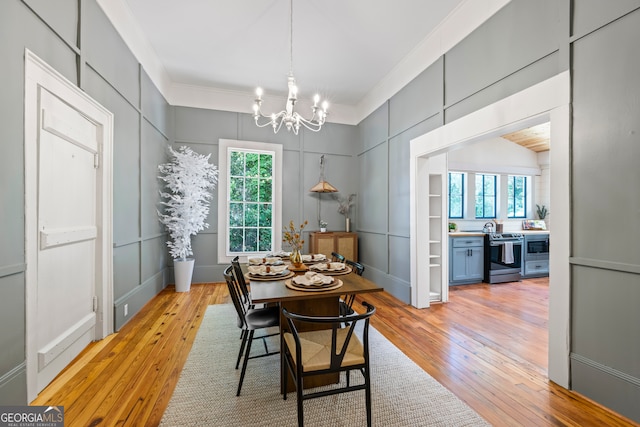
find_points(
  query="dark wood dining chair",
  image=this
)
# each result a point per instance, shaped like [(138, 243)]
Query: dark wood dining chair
[(249, 321), (237, 271), (356, 266), (326, 351), (337, 257), (346, 301)]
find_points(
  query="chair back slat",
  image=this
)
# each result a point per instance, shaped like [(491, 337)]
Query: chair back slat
[(357, 267), (236, 294), (242, 283)]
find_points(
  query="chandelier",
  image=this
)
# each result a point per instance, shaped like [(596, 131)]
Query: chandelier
[(291, 119)]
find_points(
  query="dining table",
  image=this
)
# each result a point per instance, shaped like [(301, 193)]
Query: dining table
[(311, 303)]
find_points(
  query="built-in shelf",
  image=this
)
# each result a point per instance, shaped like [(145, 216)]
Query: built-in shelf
[(435, 237)]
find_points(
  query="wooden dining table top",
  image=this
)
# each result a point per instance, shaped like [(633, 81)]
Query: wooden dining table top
[(277, 291)]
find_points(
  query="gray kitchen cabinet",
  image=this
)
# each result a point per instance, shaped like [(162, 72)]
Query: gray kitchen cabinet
[(466, 261)]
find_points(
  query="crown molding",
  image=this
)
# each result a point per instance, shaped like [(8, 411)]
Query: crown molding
[(468, 16)]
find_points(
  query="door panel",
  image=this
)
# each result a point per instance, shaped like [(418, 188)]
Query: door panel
[(67, 227)]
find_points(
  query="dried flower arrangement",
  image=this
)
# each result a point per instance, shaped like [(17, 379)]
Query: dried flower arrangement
[(344, 204), (293, 236)]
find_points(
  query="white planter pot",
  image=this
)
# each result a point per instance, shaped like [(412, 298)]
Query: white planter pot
[(183, 272)]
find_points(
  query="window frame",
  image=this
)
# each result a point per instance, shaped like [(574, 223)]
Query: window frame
[(495, 196), (224, 148)]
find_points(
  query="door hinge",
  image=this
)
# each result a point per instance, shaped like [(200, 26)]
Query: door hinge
[(96, 161), (95, 304)]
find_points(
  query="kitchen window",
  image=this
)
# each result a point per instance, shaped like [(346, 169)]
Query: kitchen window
[(485, 196), (516, 196), (456, 194)]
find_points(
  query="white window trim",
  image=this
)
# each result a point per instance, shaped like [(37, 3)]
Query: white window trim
[(223, 213)]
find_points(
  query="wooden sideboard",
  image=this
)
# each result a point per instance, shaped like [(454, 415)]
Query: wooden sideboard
[(344, 243)]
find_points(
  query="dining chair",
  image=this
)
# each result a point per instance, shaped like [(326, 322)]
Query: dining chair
[(356, 266), (346, 301), (249, 321), (337, 257), (237, 271), (326, 351)]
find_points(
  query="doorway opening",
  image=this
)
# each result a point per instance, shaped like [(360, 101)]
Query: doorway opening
[(546, 101)]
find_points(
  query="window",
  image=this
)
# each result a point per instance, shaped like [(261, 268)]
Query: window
[(516, 196), (485, 196), (250, 190), (249, 198), (456, 194)]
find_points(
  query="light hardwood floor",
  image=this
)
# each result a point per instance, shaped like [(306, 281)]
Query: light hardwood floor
[(488, 345)]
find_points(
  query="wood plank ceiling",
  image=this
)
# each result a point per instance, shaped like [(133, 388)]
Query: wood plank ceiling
[(535, 138)]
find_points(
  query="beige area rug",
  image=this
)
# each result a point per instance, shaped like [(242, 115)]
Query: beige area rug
[(403, 394)]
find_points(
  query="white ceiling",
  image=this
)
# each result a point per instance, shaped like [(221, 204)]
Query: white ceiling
[(342, 49)]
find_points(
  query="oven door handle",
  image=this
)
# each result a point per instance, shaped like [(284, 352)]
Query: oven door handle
[(515, 242)]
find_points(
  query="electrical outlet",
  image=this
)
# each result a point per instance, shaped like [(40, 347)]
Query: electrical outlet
[(126, 310)]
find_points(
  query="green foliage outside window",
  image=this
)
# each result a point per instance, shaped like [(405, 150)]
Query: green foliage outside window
[(250, 201), (517, 196), (456, 194)]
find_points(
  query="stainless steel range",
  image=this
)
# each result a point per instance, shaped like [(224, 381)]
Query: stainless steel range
[(503, 257)]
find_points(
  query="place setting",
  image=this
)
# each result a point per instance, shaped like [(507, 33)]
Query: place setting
[(265, 260), (330, 268), (313, 258), (313, 282), (268, 272)]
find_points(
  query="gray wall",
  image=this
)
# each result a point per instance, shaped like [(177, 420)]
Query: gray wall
[(605, 341), (202, 129), (524, 43), (79, 41)]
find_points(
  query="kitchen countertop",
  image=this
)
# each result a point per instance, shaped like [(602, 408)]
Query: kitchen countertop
[(480, 233)]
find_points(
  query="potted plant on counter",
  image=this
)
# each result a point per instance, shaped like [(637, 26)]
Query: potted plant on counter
[(189, 180)]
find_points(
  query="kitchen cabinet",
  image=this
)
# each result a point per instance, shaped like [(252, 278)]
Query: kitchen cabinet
[(466, 261), (341, 242), (536, 268)]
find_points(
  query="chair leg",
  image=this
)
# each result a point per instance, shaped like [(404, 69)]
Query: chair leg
[(246, 359), (283, 368), (242, 345), (367, 394), (300, 400)]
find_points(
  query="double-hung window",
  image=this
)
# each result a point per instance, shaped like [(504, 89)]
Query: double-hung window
[(249, 198), (516, 196), (486, 186)]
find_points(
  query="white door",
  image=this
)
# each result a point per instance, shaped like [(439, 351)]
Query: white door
[(67, 229), (67, 224)]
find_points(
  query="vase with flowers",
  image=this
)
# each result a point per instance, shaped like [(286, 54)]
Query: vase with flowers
[(344, 207), (293, 237)]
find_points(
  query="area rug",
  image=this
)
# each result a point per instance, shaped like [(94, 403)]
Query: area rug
[(403, 394)]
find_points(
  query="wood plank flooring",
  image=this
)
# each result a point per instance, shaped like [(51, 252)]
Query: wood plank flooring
[(488, 345)]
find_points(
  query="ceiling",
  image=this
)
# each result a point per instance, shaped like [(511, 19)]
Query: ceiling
[(535, 138), (342, 49)]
